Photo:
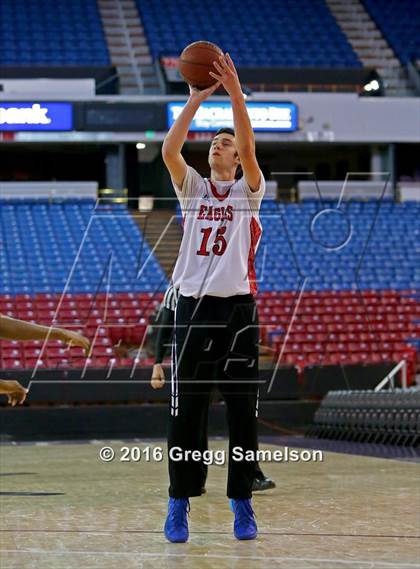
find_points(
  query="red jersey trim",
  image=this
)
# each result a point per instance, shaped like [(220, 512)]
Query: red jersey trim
[(216, 194), (255, 231)]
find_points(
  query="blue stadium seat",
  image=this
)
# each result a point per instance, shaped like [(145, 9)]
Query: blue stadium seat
[(399, 21), (303, 27), (34, 32), (41, 247)]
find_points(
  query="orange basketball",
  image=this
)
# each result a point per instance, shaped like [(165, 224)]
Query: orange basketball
[(196, 61)]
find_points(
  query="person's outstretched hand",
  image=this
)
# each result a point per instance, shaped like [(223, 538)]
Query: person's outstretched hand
[(16, 393), (72, 338)]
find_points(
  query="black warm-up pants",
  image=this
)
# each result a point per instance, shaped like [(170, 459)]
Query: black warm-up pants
[(215, 339)]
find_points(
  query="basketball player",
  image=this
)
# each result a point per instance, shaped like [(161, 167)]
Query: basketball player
[(216, 321), (14, 329), (163, 339)]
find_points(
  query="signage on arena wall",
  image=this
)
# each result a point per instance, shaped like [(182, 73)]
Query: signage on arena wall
[(36, 116), (269, 117)]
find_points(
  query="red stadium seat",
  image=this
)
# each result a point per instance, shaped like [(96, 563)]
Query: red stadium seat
[(13, 363), (30, 363)]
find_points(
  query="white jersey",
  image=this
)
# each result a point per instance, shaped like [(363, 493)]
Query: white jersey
[(222, 231)]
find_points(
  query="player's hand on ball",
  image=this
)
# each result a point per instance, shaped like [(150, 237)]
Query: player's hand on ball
[(227, 75), (16, 393), (72, 338), (201, 95), (158, 377)]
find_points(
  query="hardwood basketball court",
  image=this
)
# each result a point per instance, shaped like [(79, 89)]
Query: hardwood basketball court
[(63, 508)]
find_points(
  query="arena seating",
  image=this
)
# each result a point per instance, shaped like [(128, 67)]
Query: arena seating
[(104, 319), (40, 243), (399, 21), (385, 417), (333, 322), (51, 32), (344, 316), (302, 34), (341, 328), (298, 246)]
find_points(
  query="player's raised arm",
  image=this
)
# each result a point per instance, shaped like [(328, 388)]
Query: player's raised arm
[(174, 140), (226, 73)]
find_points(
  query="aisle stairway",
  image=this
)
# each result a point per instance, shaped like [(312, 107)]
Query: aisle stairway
[(128, 47), (370, 45), (163, 233)]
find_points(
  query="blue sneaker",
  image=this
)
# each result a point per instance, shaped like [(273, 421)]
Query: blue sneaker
[(244, 526), (176, 525)]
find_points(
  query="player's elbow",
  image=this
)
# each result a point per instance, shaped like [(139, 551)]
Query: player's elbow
[(168, 154), (165, 150), (170, 161)]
